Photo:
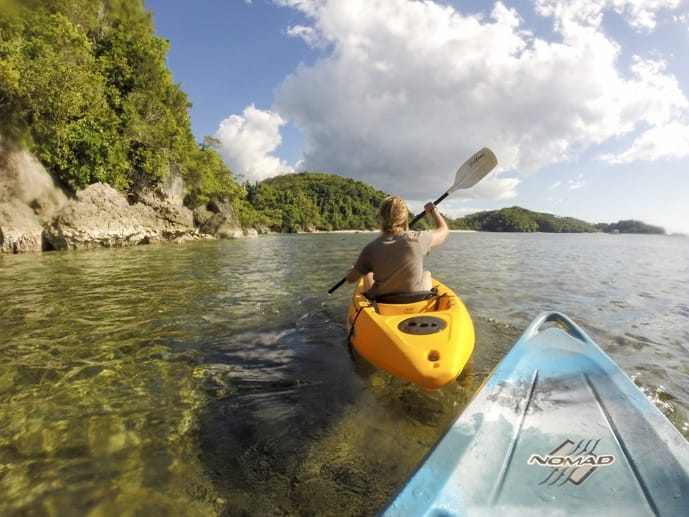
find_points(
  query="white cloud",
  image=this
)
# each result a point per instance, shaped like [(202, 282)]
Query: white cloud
[(247, 142), (308, 7), (682, 19), (577, 183), (654, 96), (308, 34), (667, 141), (408, 90), (640, 14), (405, 91)]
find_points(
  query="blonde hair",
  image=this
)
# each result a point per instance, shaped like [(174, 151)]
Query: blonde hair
[(393, 215)]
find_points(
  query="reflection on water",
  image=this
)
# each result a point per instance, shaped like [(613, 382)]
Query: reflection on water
[(214, 379)]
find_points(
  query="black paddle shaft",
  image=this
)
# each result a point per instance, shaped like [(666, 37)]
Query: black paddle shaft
[(333, 288), (418, 217)]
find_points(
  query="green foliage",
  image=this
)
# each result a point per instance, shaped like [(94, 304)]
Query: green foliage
[(207, 176), (314, 201), (517, 219), (85, 87), (630, 226)]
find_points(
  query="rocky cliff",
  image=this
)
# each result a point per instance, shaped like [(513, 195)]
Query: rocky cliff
[(35, 215)]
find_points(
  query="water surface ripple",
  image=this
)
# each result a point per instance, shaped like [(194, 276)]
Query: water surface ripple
[(213, 378)]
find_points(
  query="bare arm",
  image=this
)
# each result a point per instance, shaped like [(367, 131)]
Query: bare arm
[(353, 275), (441, 230)]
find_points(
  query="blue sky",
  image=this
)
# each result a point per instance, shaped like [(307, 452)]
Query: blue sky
[(585, 102)]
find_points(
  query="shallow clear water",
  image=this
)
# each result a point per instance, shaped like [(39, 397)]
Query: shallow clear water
[(213, 378)]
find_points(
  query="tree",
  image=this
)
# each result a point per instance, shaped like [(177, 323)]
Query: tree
[(297, 202), (630, 226), (85, 87), (517, 219)]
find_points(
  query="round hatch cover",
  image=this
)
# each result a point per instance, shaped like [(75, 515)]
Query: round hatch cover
[(422, 325)]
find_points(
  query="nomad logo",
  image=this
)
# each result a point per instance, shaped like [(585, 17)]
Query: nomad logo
[(571, 462)]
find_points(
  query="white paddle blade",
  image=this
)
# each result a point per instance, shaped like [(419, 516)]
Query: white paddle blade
[(474, 169)]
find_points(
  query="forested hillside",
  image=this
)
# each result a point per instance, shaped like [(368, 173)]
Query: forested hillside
[(517, 219), (314, 201), (326, 202), (629, 226), (84, 86)]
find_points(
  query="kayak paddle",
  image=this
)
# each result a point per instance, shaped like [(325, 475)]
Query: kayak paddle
[(469, 174)]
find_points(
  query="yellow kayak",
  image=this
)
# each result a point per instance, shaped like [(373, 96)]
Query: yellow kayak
[(427, 342)]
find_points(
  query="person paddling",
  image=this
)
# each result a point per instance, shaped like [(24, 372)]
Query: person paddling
[(393, 262)]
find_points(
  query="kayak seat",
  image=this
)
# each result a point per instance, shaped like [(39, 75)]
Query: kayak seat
[(413, 297), (397, 299)]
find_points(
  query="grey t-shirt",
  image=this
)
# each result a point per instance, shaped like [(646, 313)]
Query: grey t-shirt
[(396, 261)]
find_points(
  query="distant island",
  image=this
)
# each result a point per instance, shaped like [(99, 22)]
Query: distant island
[(517, 219), (312, 201)]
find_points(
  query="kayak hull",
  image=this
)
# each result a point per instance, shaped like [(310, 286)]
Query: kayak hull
[(427, 343), (557, 429)]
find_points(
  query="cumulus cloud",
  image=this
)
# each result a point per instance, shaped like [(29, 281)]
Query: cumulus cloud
[(408, 90), (247, 142), (667, 141), (404, 91), (639, 14)]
